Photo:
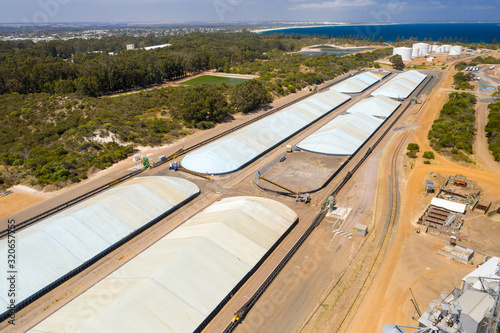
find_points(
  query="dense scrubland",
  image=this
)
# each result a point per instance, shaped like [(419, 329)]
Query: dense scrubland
[(493, 130), (56, 131), (453, 132)]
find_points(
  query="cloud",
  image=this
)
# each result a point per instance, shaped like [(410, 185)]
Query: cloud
[(334, 4)]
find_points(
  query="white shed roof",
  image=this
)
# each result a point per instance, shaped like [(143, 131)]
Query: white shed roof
[(378, 106), (52, 248), (176, 283), (235, 150), (489, 271), (401, 86), (449, 205), (357, 84), (341, 136)]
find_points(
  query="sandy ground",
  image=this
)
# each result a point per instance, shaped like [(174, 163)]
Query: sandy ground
[(411, 262)]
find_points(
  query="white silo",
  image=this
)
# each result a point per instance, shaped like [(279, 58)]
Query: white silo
[(446, 48), (404, 52), (415, 53), (434, 48), (456, 50), (423, 48)]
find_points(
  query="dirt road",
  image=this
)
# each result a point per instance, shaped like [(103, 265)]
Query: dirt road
[(412, 262)]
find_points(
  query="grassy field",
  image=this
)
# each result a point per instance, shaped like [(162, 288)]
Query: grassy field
[(211, 79)]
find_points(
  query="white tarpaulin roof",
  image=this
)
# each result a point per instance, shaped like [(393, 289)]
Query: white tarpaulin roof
[(235, 150), (449, 205), (50, 249), (378, 106), (176, 283), (357, 84), (401, 86), (341, 136)]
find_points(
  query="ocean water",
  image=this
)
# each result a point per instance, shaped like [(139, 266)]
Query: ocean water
[(472, 32)]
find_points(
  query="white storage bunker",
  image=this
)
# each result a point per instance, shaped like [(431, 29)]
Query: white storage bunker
[(379, 106), (182, 281), (357, 83), (401, 86), (235, 150), (55, 246), (341, 136), (404, 52)]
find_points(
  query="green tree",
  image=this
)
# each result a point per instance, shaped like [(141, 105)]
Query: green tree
[(381, 39), (413, 149), (397, 62), (249, 95), (428, 155)]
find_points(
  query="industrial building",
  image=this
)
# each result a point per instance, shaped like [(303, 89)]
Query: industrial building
[(358, 83), (64, 242), (378, 106), (239, 148), (183, 280), (341, 136), (401, 86), (444, 215), (473, 308)]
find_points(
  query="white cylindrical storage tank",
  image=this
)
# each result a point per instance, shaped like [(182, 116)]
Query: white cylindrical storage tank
[(456, 50), (434, 48), (422, 46), (415, 53), (447, 48), (404, 52), (440, 49)]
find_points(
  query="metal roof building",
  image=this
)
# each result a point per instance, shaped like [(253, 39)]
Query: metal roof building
[(485, 276), (341, 136), (357, 84), (378, 106), (178, 282), (456, 207), (239, 148), (57, 245), (401, 86)]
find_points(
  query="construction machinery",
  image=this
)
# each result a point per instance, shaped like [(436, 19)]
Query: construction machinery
[(329, 203), (299, 196), (176, 166), (145, 163)]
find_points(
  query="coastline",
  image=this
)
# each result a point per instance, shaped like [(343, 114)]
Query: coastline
[(258, 31)]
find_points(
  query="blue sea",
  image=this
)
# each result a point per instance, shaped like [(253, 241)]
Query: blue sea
[(470, 32)]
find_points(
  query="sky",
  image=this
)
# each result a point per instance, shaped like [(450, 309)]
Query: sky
[(172, 11)]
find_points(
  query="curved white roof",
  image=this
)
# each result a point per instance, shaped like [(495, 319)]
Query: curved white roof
[(50, 249), (401, 86), (357, 84), (176, 283), (341, 136), (235, 150), (378, 106)]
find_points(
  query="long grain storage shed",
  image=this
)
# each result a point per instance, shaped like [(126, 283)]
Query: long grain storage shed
[(401, 86), (341, 136), (357, 83), (235, 150), (378, 106), (54, 247), (181, 282)]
